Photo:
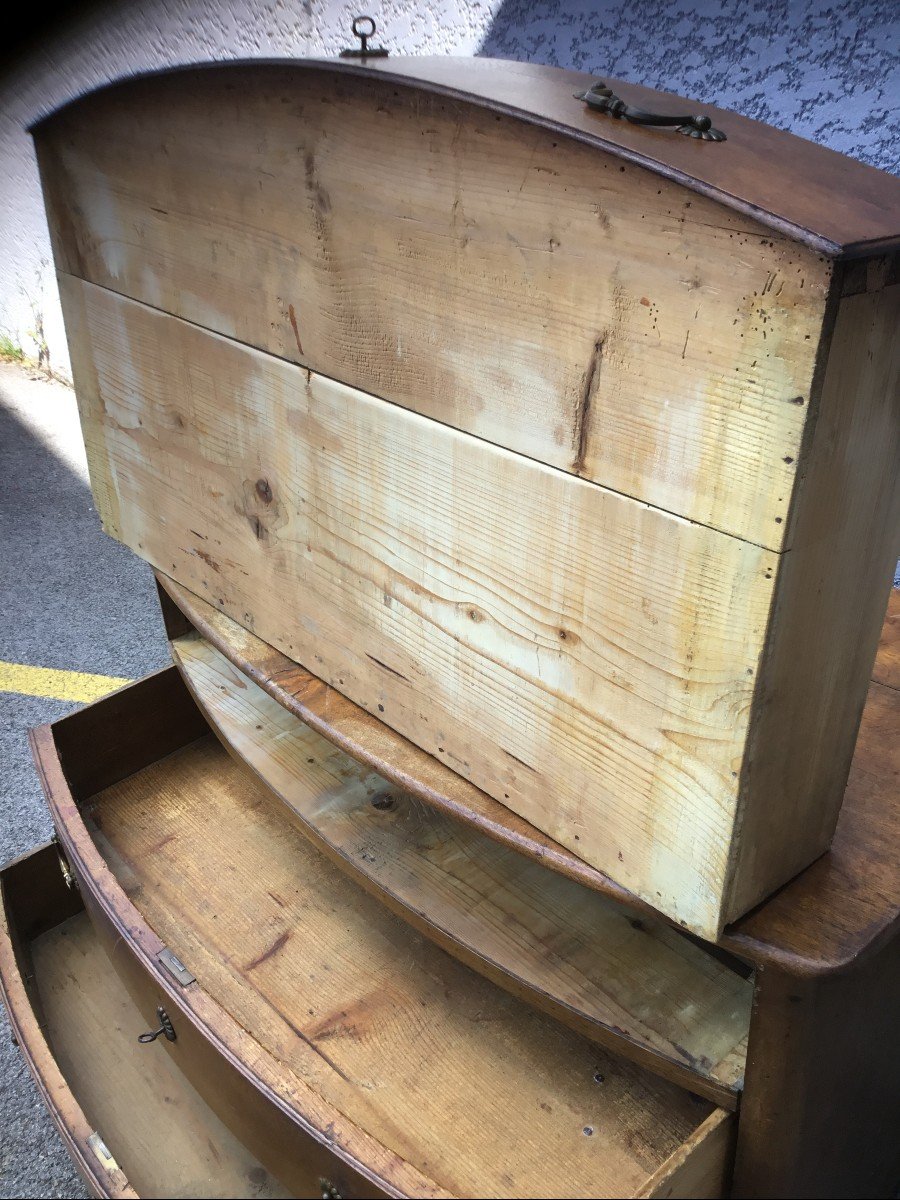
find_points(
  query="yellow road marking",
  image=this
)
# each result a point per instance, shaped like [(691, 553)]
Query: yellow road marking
[(57, 685)]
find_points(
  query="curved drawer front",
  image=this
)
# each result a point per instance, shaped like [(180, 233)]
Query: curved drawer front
[(231, 1074), (21, 883), (304, 1163), (130, 1120), (334, 1041)]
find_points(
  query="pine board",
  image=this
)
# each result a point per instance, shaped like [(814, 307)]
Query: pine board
[(503, 279), (510, 619)]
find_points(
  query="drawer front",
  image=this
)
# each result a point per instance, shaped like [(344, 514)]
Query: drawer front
[(132, 1123), (34, 898), (304, 1165)]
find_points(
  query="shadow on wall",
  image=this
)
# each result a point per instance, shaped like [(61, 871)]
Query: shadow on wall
[(828, 72)]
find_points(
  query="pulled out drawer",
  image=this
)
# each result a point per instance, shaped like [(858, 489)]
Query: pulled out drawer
[(131, 1121), (320, 1026)]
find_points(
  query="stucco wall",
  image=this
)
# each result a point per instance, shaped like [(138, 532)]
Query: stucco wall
[(829, 72)]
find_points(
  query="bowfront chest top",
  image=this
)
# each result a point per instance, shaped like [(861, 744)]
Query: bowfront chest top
[(566, 447)]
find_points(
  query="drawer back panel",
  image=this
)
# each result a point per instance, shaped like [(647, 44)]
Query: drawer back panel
[(503, 279), (579, 479), (513, 620)]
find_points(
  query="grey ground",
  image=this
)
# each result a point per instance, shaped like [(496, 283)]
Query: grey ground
[(71, 598)]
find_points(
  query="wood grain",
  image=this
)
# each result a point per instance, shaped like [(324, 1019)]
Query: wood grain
[(829, 609), (826, 200), (158, 1129), (836, 912), (519, 285), (635, 986), (507, 617), (492, 1097), (27, 883), (701, 1167)]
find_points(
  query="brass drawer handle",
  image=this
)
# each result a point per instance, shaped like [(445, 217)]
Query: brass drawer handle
[(165, 1028), (602, 99)]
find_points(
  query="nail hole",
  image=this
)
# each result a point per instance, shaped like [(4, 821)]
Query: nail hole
[(599, 1077), (588, 1130)]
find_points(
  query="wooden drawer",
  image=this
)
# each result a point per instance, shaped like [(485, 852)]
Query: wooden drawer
[(128, 1116), (321, 1024), (630, 982), (308, 1167), (564, 453)]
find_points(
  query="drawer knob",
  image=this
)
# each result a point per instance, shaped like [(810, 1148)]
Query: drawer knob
[(602, 99), (165, 1028), (329, 1191)]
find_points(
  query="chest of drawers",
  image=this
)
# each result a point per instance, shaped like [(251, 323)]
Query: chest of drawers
[(521, 485)]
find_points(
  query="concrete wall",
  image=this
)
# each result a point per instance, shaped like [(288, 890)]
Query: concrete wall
[(830, 72)]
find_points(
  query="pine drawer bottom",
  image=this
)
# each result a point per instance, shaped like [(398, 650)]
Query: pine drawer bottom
[(131, 1121)]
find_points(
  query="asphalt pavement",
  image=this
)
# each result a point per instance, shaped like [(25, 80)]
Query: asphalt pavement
[(73, 599)]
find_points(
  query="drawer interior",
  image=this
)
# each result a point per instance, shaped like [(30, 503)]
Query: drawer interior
[(627, 980), (146, 1114), (470, 1085)]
